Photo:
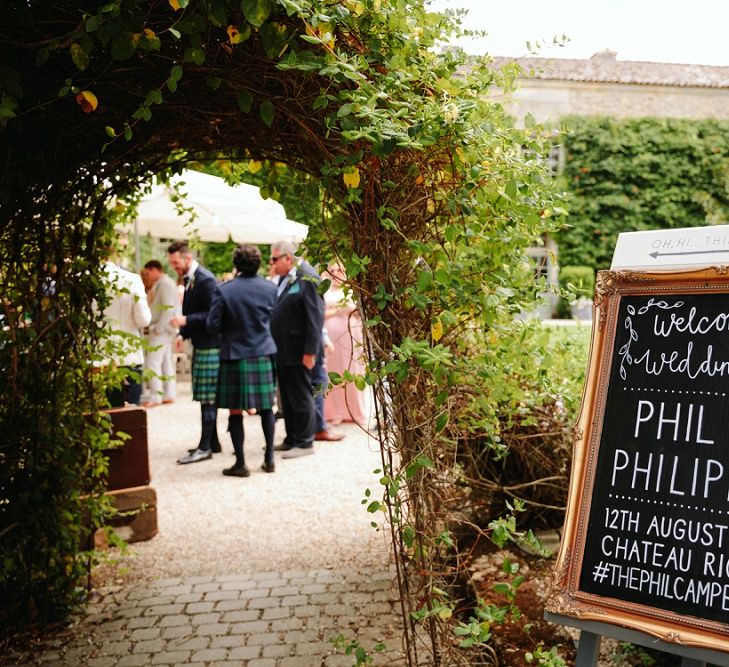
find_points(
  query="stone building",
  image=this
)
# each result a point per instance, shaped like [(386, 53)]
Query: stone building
[(605, 86), (602, 85)]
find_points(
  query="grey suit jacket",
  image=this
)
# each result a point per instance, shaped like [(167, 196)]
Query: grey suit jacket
[(164, 305)]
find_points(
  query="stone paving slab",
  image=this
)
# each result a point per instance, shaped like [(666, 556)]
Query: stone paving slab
[(270, 619)]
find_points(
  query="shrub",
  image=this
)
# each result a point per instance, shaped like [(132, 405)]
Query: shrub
[(576, 282), (526, 458), (582, 278), (640, 173)]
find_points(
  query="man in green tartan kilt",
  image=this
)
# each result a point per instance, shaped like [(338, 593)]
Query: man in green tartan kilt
[(240, 311), (199, 287)]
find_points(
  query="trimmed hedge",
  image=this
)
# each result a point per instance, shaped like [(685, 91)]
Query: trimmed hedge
[(645, 173)]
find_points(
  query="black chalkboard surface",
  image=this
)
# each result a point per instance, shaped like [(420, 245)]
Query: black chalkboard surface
[(658, 530), (647, 533)]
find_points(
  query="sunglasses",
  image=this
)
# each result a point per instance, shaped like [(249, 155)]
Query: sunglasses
[(273, 260)]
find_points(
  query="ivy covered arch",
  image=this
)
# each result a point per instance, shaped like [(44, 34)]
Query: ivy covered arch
[(436, 195)]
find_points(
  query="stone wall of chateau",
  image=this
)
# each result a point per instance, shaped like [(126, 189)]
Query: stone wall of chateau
[(548, 100)]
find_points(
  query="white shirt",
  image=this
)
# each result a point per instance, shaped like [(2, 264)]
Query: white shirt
[(189, 277), (127, 312), (286, 280)]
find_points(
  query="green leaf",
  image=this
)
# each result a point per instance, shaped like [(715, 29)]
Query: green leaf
[(445, 538), (245, 101), (122, 46), (441, 422), (195, 55), (150, 43), (323, 286), (176, 73), (110, 131), (92, 24), (192, 24), (452, 232), (268, 113), (345, 110), (503, 589), (416, 465), (311, 39), (175, 33), (79, 56), (153, 97), (41, 58), (274, 37), (213, 82), (425, 281), (256, 11), (217, 13)]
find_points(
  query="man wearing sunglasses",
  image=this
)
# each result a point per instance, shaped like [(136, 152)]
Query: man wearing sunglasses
[(296, 326)]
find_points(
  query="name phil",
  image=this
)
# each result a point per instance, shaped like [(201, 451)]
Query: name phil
[(661, 472)]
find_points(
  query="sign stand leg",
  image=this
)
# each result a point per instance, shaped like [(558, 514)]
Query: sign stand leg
[(589, 648)]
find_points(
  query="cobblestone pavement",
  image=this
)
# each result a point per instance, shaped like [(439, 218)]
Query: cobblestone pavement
[(288, 561), (268, 619)]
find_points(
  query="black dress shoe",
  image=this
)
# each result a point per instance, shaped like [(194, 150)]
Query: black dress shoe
[(195, 456), (268, 467), (283, 447), (236, 471)]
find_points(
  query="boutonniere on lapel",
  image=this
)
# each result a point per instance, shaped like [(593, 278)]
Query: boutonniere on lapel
[(190, 283), (295, 288)]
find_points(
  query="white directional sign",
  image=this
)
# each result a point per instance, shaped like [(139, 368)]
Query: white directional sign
[(672, 248)]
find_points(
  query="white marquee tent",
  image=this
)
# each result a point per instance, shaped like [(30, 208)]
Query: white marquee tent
[(222, 212)]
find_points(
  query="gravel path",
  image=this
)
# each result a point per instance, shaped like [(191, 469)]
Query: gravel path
[(256, 572), (308, 514)]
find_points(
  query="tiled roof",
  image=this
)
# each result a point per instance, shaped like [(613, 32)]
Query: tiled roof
[(605, 68)]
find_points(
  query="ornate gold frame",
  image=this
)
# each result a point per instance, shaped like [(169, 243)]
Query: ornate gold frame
[(565, 598)]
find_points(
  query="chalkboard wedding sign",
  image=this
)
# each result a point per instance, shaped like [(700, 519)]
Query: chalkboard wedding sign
[(646, 539)]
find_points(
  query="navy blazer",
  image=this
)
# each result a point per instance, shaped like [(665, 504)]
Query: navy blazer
[(298, 318), (195, 306), (241, 312)]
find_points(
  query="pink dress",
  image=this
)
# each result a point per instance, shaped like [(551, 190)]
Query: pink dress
[(344, 403)]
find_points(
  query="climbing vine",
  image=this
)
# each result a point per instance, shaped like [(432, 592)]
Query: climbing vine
[(429, 197)]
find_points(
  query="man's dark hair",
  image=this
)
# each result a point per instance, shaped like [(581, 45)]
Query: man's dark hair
[(247, 259), (153, 264), (179, 246)]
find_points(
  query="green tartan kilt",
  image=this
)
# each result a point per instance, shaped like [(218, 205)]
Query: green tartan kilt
[(247, 383), (205, 364)]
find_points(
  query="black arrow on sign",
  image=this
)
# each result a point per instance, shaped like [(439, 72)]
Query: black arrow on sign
[(656, 254)]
